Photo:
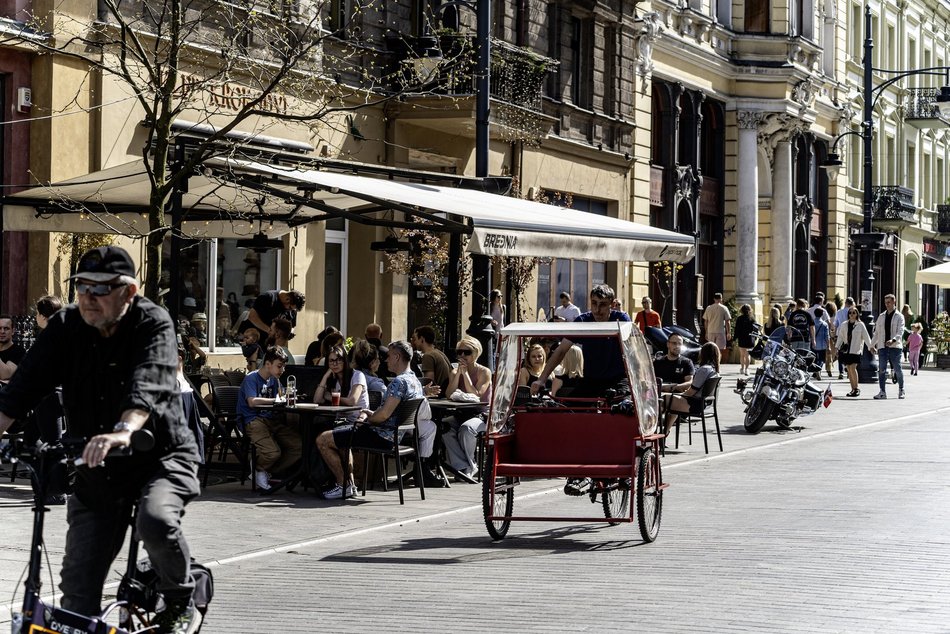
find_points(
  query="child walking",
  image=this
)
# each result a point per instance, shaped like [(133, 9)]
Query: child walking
[(914, 343)]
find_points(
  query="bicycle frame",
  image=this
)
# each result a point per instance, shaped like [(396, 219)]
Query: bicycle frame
[(38, 617)]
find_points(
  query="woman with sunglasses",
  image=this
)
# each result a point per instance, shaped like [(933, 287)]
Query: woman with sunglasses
[(472, 378), (350, 383), (852, 337)]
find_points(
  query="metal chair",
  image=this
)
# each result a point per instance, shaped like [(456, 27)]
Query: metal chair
[(235, 377), (700, 406), (408, 430), (223, 431)]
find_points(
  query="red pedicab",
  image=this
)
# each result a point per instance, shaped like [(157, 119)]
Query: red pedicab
[(614, 444)]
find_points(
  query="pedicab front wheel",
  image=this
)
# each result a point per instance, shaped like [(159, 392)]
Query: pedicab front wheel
[(649, 495), (498, 502)]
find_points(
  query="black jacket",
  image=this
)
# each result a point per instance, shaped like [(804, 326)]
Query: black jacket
[(101, 378)]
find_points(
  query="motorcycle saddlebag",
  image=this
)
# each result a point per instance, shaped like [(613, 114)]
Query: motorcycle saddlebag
[(811, 397)]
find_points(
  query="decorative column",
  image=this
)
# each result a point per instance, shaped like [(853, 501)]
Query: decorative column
[(781, 252), (747, 217)]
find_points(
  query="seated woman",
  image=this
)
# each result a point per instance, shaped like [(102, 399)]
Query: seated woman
[(572, 366), (676, 404), (366, 360), (350, 383), (473, 378), (533, 365)]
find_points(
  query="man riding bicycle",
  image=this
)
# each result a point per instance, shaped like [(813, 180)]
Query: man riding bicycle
[(115, 355)]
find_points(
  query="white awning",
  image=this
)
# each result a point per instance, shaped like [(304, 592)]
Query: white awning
[(936, 275), (499, 225)]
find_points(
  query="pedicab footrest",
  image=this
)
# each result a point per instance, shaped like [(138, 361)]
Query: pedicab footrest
[(536, 470)]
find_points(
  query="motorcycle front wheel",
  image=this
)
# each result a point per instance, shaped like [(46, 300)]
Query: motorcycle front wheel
[(760, 409)]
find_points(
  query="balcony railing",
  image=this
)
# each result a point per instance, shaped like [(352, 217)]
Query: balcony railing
[(517, 74), (921, 110), (893, 203), (943, 219)]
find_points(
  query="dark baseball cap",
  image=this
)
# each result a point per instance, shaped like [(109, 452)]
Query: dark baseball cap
[(104, 264)]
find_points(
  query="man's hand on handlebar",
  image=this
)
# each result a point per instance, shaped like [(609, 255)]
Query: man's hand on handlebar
[(98, 447)]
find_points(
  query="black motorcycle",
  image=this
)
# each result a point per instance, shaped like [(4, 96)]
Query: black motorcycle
[(657, 338), (781, 389)]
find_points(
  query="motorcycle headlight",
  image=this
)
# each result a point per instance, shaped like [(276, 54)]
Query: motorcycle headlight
[(781, 369)]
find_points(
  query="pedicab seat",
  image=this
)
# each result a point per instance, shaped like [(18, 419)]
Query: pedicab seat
[(555, 443)]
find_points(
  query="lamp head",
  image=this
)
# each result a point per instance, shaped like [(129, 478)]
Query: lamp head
[(832, 164)]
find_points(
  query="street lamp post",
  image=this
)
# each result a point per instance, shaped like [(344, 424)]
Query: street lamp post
[(481, 279), (868, 241)]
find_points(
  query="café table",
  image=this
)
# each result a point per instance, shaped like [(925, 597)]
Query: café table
[(441, 408), (313, 419)]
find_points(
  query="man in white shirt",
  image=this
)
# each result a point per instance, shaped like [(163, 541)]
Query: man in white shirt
[(819, 302), (717, 320), (887, 343), (566, 311)]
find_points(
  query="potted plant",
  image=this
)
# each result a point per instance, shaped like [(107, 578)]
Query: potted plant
[(940, 339)]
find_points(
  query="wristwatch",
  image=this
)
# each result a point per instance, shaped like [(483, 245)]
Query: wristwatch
[(122, 426)]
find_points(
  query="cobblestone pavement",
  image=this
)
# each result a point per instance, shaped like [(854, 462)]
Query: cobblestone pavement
[(784, 530)]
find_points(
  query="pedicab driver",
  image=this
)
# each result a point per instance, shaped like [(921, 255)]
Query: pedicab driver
[(604, 368), (115, 355)]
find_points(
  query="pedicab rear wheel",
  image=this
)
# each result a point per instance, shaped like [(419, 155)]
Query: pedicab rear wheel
[(499, 504), (649, 495), (615, 498)]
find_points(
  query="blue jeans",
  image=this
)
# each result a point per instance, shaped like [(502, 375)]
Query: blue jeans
[(894, 356)]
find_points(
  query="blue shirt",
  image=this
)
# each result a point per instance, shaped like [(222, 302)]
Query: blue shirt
[(603, 356), (821, 335), (405, 387), (251, 388)]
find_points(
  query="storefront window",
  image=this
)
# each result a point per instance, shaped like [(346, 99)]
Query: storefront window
[(219, 275)]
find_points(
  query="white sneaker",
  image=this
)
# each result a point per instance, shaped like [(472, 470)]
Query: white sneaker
[(351, 490), (262, 480)]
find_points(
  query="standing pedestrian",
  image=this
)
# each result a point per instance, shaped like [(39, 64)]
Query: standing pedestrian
[(915, 342), (852, 337), (775, 320), (496, 310), (822, 337), (717, 320), (745, 326), (841, 318), (647, 318), (887, 344)]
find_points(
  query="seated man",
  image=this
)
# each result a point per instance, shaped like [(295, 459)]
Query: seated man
[(673, 368), (278, 444), (377, 429)]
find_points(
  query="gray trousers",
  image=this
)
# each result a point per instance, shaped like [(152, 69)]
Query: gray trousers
[(95, 537), (461, 442)]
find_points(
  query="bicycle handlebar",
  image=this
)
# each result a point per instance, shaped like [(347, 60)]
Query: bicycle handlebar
[(142, 440)]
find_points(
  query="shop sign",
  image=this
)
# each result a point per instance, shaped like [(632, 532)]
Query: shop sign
[(232, 95)]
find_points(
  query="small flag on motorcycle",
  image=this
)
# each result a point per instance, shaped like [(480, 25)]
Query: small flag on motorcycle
[(828, 396)]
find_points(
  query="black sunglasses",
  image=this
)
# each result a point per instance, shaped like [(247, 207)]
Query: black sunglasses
[(464, 352), (99, 290)]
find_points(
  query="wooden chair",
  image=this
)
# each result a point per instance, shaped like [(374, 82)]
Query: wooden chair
[(700, 406), (407, 444)]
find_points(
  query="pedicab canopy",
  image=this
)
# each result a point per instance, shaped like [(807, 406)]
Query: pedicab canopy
[(514, 339)]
